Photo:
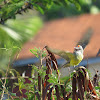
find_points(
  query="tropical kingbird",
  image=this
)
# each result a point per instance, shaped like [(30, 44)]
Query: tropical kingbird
[(73, 59)]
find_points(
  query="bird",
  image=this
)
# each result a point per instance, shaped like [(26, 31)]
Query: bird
[(75, 57)]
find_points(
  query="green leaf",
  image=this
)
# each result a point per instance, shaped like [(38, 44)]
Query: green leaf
[(50, 81), (34, 51), (77, 6), (12, 73), (43, 54), (23, 99), (40, 9), (13, 94), (97, 88), (70, 99), (31, 97), (57, 3)]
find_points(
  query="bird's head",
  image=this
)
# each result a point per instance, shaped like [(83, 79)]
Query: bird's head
[(78, 49)]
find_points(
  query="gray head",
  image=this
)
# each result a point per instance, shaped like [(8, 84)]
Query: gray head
[(78, 49)]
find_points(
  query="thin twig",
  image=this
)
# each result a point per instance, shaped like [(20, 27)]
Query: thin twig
[(5, 81), (3, 78)]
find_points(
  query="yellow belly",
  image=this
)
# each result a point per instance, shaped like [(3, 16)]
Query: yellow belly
[(75, 61)]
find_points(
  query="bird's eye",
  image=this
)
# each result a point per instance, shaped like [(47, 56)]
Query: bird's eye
[(77, 49)]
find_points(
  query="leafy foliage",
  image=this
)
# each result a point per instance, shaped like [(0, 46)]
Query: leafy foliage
[(38, 52), (62, 11), (46, 83), (9, 8), (14, 34)]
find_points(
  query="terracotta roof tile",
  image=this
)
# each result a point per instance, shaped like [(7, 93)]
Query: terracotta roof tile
[(64, 34)]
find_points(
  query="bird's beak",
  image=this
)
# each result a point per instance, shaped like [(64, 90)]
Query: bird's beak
[(76, 48)]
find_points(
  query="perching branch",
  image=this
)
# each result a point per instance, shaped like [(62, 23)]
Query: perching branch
[(10, 8)]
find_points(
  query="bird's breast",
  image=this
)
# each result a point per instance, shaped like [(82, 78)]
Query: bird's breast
[(77, 58)]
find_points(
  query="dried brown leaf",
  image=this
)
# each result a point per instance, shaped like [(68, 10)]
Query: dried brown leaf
[(45, 91), (74, 96), (54, 61), (63, 91), (91, 88), (57, 92), (39, 82)]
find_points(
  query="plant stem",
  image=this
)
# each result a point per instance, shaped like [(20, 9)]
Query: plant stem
[(4, 85)]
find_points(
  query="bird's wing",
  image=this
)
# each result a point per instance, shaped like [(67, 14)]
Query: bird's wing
[(86, 38), (64, 54)]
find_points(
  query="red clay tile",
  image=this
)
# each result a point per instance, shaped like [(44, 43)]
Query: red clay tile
[(64, 34)]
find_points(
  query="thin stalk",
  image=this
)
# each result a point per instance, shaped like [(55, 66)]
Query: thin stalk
[(4, 85)]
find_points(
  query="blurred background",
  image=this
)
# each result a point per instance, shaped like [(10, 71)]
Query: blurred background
[(60, 26), (16, 32)]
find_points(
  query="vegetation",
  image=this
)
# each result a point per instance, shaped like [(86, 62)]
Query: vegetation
[(56, 11), (9, 8), (14, 34), (45, 82)]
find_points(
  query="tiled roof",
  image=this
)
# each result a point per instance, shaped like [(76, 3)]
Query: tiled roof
[(64, 34)]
